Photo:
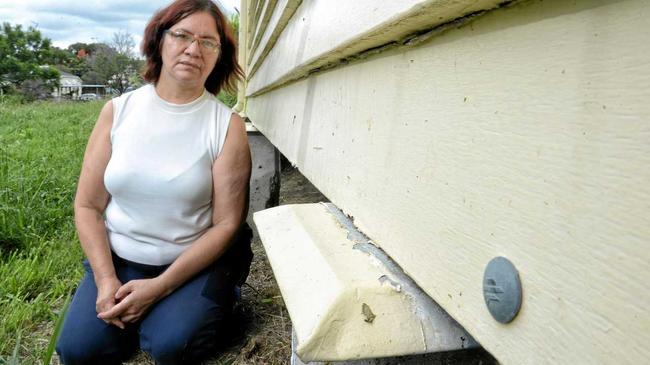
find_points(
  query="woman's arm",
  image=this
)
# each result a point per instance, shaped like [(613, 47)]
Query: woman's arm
[(89, 205), (231, 177)]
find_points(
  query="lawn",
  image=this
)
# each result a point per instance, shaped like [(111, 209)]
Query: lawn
[(41, 148)]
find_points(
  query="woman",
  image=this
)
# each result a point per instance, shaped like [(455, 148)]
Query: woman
[(162, 197)]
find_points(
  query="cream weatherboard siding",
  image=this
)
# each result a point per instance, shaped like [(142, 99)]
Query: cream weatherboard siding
[(323, 32), (523, 133)]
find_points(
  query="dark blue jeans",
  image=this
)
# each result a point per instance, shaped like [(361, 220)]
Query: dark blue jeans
[(182, 328)]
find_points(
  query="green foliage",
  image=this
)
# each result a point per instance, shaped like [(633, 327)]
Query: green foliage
[(66, 60), (111, 65), (9, 99), (227, 98), (57, 331), (104, 56), (86, 47), (234, 23), (41, 148), (22, 53), (25, 56), (35, 89)]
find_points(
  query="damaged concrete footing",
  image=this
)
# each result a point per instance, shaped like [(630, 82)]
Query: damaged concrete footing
[(347, 299)]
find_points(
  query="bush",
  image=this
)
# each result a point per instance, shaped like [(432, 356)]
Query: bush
[(35, 90), (12, 99)]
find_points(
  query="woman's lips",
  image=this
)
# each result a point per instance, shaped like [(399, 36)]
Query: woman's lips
[(190, 64)]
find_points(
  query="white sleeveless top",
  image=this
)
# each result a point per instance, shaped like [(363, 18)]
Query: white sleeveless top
[(159, 176)]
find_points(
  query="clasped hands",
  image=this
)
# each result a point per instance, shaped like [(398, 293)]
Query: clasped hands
[(118, 304)]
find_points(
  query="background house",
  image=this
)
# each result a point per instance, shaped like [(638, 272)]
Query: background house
[(70, 86)]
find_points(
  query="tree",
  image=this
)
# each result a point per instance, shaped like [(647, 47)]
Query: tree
[(80, 50), (120, 81), (123, 43), (66, 60), (23, 55), (35, 89), (102, 61), (109, 67)]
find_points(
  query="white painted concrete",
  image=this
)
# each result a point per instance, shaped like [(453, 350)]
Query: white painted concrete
[(345, 299), (456, 357), (524, 134)]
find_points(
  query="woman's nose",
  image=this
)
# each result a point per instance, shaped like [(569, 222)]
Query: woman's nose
[(193, 48)]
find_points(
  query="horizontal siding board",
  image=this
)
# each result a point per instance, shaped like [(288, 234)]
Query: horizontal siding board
[(260, 28), (282, 14), (524, 134), (324, 32), (259, 8)]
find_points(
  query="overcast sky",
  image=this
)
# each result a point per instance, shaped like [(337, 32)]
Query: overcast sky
[(70, 21)]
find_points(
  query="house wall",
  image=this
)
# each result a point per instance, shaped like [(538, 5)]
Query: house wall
[(523, 132)]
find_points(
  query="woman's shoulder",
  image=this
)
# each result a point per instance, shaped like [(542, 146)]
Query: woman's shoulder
[(143, 90), (222, 112), (132, 98), (223, 116), (218, 104)]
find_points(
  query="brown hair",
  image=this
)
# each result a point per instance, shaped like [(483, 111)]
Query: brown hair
[(226, 72)]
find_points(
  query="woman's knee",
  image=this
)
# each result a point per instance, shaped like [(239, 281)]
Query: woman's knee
[(176, 348), (95, 344), (72, 352), (167, 348)]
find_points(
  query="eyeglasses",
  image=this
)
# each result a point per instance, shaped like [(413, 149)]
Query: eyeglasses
[(185, 39)]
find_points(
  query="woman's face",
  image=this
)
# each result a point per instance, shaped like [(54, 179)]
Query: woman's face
[(188, 52)]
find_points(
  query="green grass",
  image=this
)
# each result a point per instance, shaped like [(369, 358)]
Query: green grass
[(41, 148)]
